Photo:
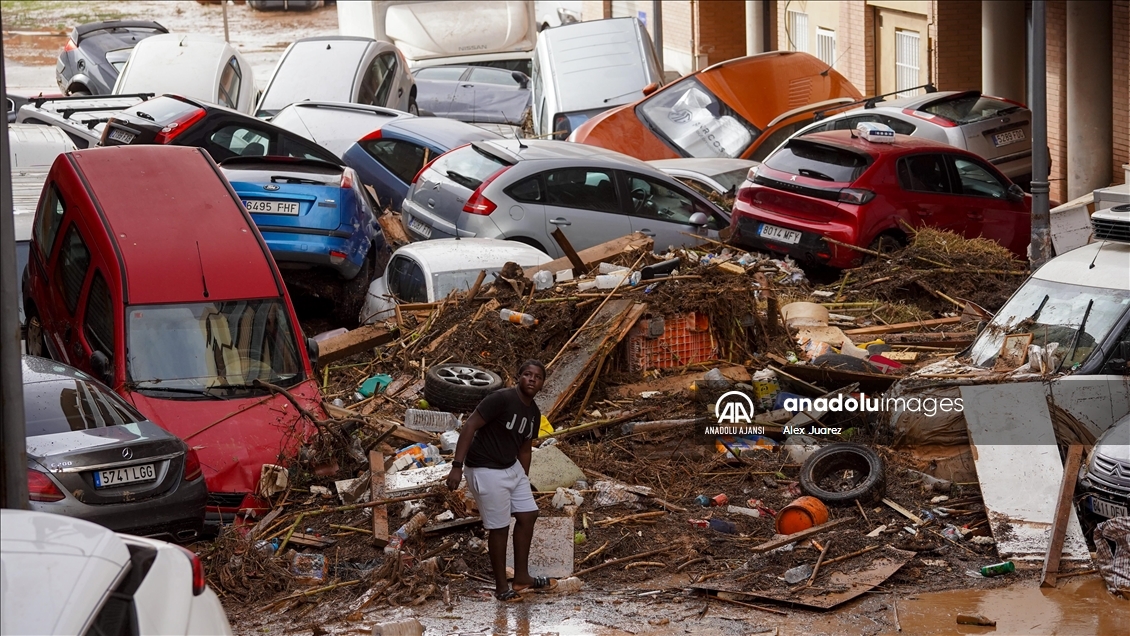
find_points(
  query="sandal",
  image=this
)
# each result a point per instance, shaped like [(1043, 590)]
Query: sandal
[(540, 584), (509, 596)]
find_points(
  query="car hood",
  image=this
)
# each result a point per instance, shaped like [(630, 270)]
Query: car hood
[(620, 129), (1115, 443), (235, 437)]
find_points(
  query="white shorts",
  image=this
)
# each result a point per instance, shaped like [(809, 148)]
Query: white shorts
[(500, 493)]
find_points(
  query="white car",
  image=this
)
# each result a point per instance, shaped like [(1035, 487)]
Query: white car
[(198, 66), (60, 575), (82, 118), (995, 128), (336, 68), (428, 271)]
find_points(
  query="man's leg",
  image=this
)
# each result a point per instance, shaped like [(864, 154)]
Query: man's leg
[(523, 536), (496, 545)]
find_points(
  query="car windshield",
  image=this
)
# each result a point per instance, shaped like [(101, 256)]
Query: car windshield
[(818, 161), (73, 404), (468, 166), (969, 108), (696, 122), (1053, 312), (204, 348)]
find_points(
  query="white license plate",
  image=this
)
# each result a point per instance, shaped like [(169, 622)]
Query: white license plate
[(419, 228), (1107, 509), (779, 234), (260, 206), (127, 475), (1008, 137), (122, 136)]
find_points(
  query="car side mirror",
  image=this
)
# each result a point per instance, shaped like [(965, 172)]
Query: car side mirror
[(649, 89), (312, 351), (103, 370), (523, 81), (699, 218), (1015, 193)]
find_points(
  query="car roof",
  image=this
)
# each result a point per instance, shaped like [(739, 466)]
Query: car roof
[(903, 144), (335, 125), (56, 571), (457, 255), (441, 131), (37, 370), (177, 225), (348, 46), (176, 63), (546, 149), (1101, 264), (594, 55), (709, 166), (917, 101)]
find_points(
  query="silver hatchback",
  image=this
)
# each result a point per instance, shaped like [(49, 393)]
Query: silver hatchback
[(523, 190)]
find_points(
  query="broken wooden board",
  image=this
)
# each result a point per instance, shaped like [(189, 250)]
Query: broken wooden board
[(635, 242), (797, 536), (393, 227), (832, 590), (448, 526), (904, 326), (1060, 525), (679, 382), (355, 341), (376, 493), (1018, 466), (310, 540), (576, 363)]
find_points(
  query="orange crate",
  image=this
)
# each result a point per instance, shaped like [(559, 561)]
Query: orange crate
[(686, 339)]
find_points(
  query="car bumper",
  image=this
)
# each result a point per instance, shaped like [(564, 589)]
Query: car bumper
[(812, 248), (313, 250), (176, 515), (423, 225), (1113, 496), (1016, 166)]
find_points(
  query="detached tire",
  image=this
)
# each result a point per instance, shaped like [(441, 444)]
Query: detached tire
[(823, 474), (459, 387)]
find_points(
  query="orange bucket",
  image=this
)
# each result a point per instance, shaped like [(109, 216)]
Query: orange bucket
[(801, 514)]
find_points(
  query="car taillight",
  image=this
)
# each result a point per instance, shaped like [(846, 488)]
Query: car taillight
[(41, 488), (191, 465), (752, 174), (930, 117), (376, 134), (346, 179), (337, 258), (426, 166), (172, 130), (198, 580), (856, 196), (70, 45), (479, 204)]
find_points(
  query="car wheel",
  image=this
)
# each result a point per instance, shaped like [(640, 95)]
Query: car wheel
[(887, 243), (413, 107), (36, 340), (528, 241), (459, 387), (79, 92), (843, 473)]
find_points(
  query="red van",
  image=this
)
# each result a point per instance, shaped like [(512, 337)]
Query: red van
[(146, 271)]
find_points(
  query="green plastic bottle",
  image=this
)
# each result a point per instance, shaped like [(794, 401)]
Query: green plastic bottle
[(997, 569)]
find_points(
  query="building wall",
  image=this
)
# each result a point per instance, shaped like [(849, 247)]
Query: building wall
[(855, 45), (1121, 77), (1057, 97), (955, 43), (721, 29)]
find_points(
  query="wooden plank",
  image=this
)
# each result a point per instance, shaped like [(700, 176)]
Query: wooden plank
[(435, 343), (416, 437), (596, 254), (1062, 510), (570, 253), (474, 291), (447, 526), (904, 512), (393, 227), (310, 540), (264, 523), (355, 341), (797, 536), (903, 326), (376, 493)]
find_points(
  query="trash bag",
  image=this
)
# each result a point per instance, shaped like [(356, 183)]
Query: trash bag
[(1112, 547)]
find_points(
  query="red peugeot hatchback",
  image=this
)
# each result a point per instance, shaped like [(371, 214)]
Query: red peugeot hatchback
[(147, 272), (865, 190)]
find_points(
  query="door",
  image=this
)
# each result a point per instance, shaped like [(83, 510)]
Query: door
[(527, 215), (67, 287), (984, 198), (663, 211), (927, 195), (585, 205)]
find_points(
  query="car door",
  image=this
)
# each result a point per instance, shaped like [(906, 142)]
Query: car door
[(99, 320), (42, 265), (67, 287), (662, 210), (985, 202), (927, 194), (585, 204), (526, 222)]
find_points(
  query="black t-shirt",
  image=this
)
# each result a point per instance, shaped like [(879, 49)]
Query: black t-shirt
[(509, 424)]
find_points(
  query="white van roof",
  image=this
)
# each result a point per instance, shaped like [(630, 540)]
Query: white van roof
[(428, 30), (597, 61), (36, 145), (188, 65), (1110, 270)]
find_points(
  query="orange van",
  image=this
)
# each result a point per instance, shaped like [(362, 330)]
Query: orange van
[(740, 108)]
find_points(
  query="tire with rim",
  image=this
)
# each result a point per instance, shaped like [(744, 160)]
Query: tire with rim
[(459, 387), (413, 107), (842, 473), (36, 341)]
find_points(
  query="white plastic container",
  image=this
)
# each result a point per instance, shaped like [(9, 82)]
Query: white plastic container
[(609, 268), (403, 627), (543, 280)]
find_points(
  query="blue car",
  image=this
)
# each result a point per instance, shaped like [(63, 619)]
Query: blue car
[(319, 223), (390, 157)]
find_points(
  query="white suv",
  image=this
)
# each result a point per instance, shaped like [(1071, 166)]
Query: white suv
[(60, 575)]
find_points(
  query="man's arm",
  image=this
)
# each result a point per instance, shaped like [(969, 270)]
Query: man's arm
[(463, 446), (525, 452)]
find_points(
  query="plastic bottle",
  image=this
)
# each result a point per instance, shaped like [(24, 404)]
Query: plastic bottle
[(518, 318), (721, 525), (608, 281), (543, 280), (609, 268), (403, 627), (702, 500), (996, 569), (571, 584)]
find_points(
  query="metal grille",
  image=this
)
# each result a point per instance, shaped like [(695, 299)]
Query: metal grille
[(907, 64), (798, 30), (1111, 230), (826, 46)]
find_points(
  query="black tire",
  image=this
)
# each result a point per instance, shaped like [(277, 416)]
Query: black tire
[(459, 387), (887, 243), (36, 341), (413, 107), (867, 486)]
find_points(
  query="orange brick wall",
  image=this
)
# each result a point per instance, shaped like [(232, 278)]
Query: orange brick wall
[(721, 29), (1121, 75), (955, 43), (855, 44), (1057, 97)]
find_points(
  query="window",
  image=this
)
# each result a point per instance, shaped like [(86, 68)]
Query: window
[(1118, 362), (377, 83), (907, 65), (850, 123), (451, 73), (74, 261), (484, 75), (697, 123), (977, 181), (61, 406), (826, 45), (818, 161), (527, 191), (239, 141), (776, 138), (467, 166), (402, 158), (581, 188), (294, 146), (406, 281), (98, 321), (968, 108), (230, 81), (924, 173), (47, 221), (798, 31), (656, 200)]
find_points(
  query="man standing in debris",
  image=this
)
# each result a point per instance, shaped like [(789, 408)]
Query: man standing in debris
[(496, 443)]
